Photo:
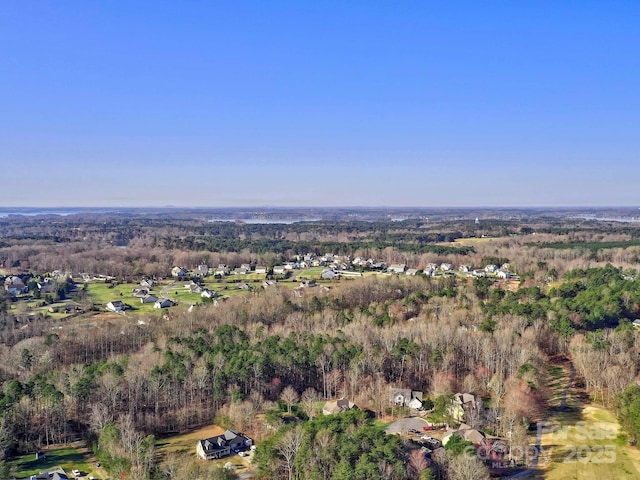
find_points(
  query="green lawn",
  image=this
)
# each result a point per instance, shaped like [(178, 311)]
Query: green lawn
[(580, 440), (586, 446), (312, 273), (68, 458), (185, 444), (103, 293)]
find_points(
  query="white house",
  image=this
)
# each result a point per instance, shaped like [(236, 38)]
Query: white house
[(202, 270), (328, 274), (178, 272), (165, 303), (222, 270), (116, 306)]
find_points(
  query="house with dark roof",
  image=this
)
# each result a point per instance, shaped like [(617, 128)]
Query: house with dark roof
[(222, 445), (337, 406), (179, 272), (116, 306), (56, 473), (164, 303), (149, 299), (404, 397)]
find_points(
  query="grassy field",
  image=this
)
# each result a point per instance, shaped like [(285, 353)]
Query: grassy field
[(580, 440), (71, 457), (103, 293), (474, 240), (586, 445), (185, 444)]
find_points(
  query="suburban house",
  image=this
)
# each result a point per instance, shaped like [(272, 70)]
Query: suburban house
[(466, 433), (201, 270), (279, 270), (146, 283), (116, 306), (164, 303), (462, 404), (396, 268), (140, 292), (206, 293), (503, 274), (49, 285), (491, 268), (269, 284), (178, 272), (241, 271), (222, 270), (56, 474), (193, 287), (337, 406), (328, 274), (261, 269), (149, 299), (222, 445), (465, 268), (446, 267), (430, 272), (404, 397), (15, 286), (636, 322), (412, 271)]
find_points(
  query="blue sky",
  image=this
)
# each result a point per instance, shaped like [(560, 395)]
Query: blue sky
[(398, 103)]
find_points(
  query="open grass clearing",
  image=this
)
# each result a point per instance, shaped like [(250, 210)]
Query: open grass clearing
[(580, 440), (585, 444), (473, 240), (69, 457), (185, 444)]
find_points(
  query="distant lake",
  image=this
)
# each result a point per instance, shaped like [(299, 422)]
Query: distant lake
[(32, 212), (266, 221), (610, 219)]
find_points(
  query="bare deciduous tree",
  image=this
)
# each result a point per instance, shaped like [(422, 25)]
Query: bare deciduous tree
[(288, 448), (289, 396)]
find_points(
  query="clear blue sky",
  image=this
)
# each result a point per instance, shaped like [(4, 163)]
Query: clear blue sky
[(425, 103)]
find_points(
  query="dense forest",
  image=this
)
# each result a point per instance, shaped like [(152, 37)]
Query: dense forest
[(264, 362)]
